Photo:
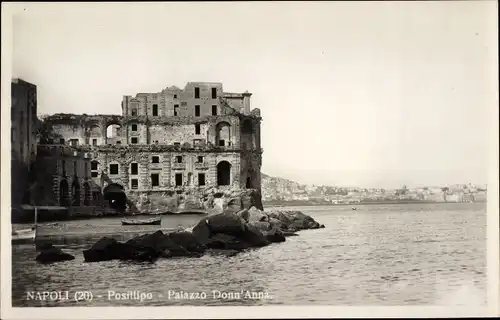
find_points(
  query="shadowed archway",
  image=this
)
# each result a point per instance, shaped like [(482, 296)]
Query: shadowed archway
[(115, 195)]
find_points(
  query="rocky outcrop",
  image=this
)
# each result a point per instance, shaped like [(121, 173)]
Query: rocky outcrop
[(50, 254), (220, 234)]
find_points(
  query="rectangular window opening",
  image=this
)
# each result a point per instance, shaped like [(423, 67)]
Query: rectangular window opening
[(221, 143), (200, 159), (178, 159), (94, 174), (176, 110), (94, 142), (134, 140), (113, 169), (196, 93), (155, 110), (134, 168), (197, 128), (178, 179), (201, 179), (197, 111), (155, 179), (134, 127), (214, 93), (155, 159), (214, 110)]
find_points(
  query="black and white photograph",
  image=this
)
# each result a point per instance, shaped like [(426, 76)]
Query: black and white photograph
[(249, 154)]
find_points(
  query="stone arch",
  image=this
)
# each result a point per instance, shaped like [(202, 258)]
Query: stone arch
[(115, 195), (114, 131), (75, 192), (223, 173), (87, 194), (63, 193), (223, 134)]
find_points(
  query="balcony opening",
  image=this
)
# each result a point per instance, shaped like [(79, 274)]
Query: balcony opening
[(214, 93), (224, 173), (134, 184), (201, 179), (155, 179), (178, 179), (196, 93)]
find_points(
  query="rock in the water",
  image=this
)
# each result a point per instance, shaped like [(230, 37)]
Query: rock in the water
[(322, 226), (202, 231), (261, 225), (188, 241), (51, 254), (243, 214), (160, 242), (103, 250), (227, 242), (294, 220), (274, 235), (254, 237), (255, 214), (227, 223)]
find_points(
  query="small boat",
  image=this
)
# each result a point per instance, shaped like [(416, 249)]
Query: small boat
[(25, 236), (145, 222), (355, 209)]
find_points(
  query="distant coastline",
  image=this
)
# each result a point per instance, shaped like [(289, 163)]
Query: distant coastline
[(292, 203)]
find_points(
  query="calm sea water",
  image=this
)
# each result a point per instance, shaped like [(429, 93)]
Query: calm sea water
[(415, 254)]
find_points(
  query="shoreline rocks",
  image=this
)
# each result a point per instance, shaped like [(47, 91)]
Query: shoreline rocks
[(221, 234), (50, 254)]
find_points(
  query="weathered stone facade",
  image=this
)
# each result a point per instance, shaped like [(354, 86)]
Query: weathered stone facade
[(190, 140), (23, 139)]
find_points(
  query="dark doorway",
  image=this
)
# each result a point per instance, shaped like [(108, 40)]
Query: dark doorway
[(63, 193), (249, 183), (224, 173)]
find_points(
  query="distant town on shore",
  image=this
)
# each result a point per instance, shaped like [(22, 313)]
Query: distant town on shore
[(279, 191)]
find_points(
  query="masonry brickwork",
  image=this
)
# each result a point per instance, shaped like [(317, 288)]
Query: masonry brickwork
[(187, 140)]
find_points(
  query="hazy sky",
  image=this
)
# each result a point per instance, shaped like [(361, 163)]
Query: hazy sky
[(352, 94)]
